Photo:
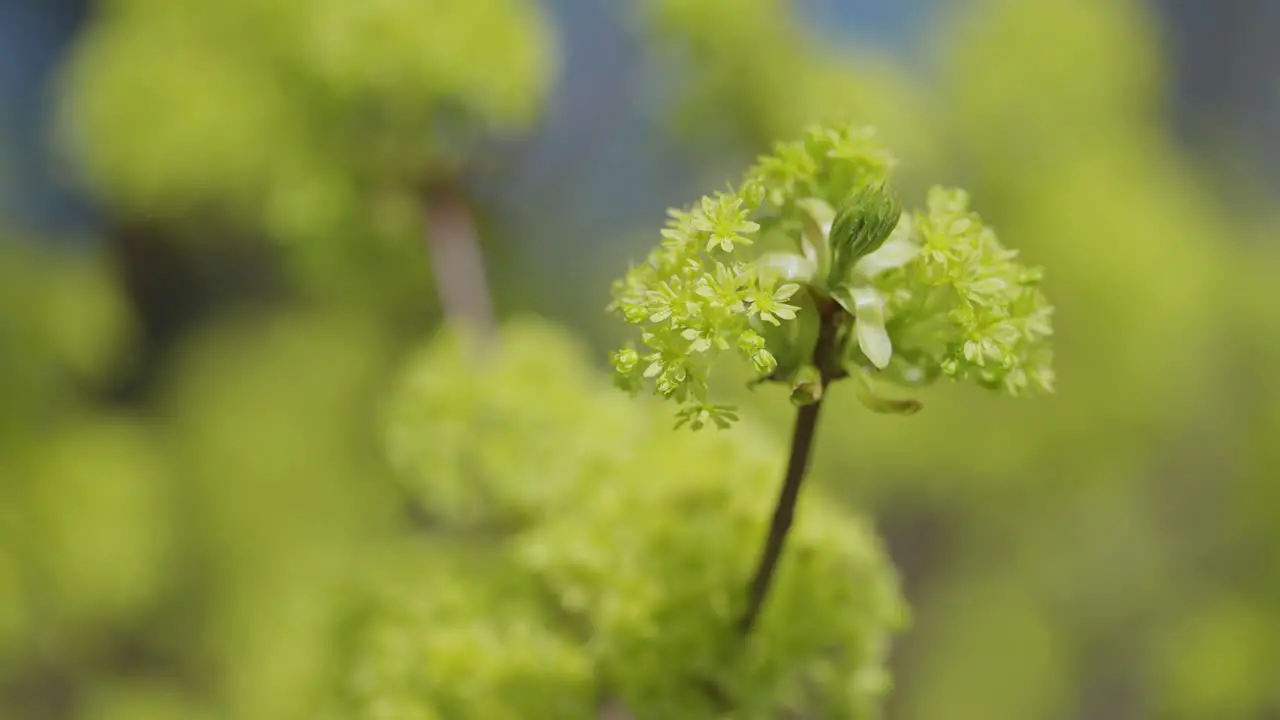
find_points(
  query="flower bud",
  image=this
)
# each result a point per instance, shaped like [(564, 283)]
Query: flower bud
[(861, 226), (625, 360)]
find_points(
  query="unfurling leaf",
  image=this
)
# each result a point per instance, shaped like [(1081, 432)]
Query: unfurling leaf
[(866, 304)]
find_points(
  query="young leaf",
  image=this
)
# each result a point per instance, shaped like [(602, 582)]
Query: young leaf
[(866, 304)]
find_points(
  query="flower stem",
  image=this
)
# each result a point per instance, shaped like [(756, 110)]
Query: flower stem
[(825, 358)]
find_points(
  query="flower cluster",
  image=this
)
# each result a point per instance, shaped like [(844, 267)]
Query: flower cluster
[(963, 306), (914, 296), (698, 294), (694, 297), (308, 121)]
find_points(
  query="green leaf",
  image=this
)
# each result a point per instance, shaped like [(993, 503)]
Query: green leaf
[(866, 304)]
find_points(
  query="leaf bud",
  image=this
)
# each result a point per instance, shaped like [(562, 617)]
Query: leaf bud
[(861, 226)]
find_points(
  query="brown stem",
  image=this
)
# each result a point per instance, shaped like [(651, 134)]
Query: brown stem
[(456, 258), (612, 709), (824, 354)]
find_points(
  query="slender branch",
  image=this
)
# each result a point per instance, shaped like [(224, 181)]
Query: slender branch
[(824, 352), (456, 258), (783, 512), (611, 708)]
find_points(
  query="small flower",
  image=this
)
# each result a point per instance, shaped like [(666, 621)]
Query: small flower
[(725, 219), (699, 340), (752, 346), (772, 305), (625, 360)]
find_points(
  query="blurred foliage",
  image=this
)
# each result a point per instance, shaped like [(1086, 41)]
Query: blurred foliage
[(204, 558), (642, 536), (1217, 653), (65, 326), (246, 543), (161, 558), (317, 123), (455, 631), (756, 68)]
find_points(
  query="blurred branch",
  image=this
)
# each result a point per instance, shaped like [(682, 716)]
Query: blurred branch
[(612, 709), (457, 259)]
